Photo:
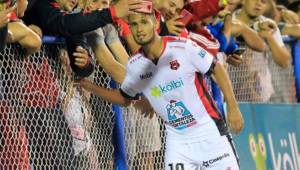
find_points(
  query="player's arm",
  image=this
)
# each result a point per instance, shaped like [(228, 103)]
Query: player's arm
[(110, 95), (234, 117), (203, 62)]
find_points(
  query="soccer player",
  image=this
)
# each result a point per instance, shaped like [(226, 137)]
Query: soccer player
[(164, 71)]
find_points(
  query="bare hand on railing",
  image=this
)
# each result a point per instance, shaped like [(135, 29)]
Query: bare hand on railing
[(235, 119), (4, 16), (81, 57), (125, 7), (234, 59)]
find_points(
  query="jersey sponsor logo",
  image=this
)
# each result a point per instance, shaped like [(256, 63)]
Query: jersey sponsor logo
[(157, 91), (146, 76), (210, 162), (179, 116), (202, 53), (174, 65)]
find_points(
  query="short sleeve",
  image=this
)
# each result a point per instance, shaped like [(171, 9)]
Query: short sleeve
[(200, 59), (129, 87)]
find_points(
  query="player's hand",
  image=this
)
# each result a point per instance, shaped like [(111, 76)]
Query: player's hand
[(174, 25), (125, 7), (81, 57), (144, 107), (234, 59), (235, 119)]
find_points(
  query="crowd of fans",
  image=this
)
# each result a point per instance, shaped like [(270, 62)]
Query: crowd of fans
[(235, 31)]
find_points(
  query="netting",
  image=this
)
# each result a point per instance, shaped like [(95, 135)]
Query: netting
[(46, 122), (259, 79), (145, 139)]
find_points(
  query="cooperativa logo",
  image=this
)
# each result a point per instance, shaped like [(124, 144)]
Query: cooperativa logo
[(157, 91)]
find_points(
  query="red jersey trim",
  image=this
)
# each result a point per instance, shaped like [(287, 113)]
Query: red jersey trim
[(206, 102)]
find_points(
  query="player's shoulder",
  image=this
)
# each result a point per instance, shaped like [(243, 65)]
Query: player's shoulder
[(180, 42), (135, 58), (175, 39)]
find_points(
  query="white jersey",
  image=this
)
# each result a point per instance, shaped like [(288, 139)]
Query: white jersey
[(172, 87)]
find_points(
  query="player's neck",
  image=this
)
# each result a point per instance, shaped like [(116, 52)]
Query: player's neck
[(154, 49)]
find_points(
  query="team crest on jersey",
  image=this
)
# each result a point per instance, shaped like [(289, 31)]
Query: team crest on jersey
[(179, 116), (174, 65)]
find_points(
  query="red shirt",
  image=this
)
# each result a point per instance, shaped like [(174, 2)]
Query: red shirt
[(202, 9), (41, 88), (14, 142)]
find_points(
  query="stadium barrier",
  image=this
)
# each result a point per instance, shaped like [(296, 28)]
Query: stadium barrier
[(37, 105), (270, 139)]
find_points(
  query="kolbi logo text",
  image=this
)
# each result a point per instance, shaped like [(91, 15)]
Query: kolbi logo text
[(157, 91)]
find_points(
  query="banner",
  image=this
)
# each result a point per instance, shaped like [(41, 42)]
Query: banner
[(270, 139)]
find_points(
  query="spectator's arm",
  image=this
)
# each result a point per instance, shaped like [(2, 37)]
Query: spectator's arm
[(280, 54), (25, 37), (115, 45), (109, 64), (104, 57), (53, 21), (252, 39), (292, 30), (119, 52)]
